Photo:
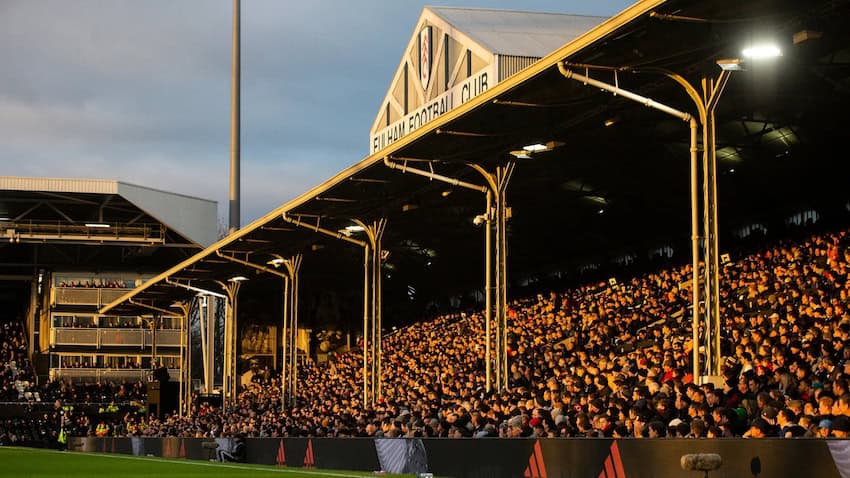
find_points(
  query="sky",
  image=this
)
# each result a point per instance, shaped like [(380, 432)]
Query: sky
[(139, 91)]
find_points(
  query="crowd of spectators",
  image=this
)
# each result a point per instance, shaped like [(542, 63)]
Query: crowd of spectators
[(602, 360), (16, 374), (36, 411)]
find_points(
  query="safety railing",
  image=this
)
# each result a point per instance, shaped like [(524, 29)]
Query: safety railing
[(108, 337), (107, 374), (97, 296)]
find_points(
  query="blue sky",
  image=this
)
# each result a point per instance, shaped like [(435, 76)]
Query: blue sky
[(139, 90)]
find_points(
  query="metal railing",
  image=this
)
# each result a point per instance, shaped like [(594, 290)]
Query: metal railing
[(98, 296), (39, 231), (108, 337), (107, 374)]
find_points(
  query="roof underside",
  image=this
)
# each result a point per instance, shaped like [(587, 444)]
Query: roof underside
[(779, 129), (194, 219), (95, 226)]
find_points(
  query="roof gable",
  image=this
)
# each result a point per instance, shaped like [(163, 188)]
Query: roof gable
[(517, 33), (454, 55)]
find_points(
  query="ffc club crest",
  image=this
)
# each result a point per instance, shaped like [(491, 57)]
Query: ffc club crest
[(425, 56)]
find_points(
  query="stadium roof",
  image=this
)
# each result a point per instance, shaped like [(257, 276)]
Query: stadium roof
[(194, 219), (620, 182), (518, 33), (94, 226)]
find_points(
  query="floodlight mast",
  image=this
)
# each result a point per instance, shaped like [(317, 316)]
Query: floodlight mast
[(235, 107)]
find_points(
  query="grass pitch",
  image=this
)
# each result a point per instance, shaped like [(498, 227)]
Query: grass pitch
[(35, 463)]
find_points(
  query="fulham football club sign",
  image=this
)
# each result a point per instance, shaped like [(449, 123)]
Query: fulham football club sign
[(451, 68), (425, 56)]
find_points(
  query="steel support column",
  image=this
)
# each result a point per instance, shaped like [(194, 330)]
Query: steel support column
[(185, 354), (372, 311), (289, 331), (371, 298), (289, 377), (496, 225), (496, 215), (488, 291), (208, 332), (185, 394), (284, 345), (705, 104), (229, 372), (712, 89), (206, 317)]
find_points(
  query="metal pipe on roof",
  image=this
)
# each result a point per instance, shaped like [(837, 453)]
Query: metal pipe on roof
[(649, 102), (251, 264), (428, 174), (694, 125), (326, 232), (153, 308), (195, 289)]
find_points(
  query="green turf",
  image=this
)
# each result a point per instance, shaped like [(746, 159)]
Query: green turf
[(29, 462)]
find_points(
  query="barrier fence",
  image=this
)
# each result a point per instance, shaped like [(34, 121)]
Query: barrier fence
[(531, 458)]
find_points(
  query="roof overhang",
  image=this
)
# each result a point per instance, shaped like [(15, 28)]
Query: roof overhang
[(193, 219), (608, 187)]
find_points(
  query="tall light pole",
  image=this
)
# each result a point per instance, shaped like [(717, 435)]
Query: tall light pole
[(235, 72)]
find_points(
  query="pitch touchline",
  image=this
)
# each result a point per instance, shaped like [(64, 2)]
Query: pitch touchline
[(201, 463)]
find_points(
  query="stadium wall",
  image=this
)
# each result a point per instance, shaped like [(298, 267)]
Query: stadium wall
[(604, 458)]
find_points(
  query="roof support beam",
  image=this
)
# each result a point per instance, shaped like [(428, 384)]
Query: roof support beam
[(372, 307), (250, 264), (338, 235), (290, 318), (58, 211), (372, 311), (153, 308), (705, 103), (495, 218), (404, 168), (229, 374), (195, 289)]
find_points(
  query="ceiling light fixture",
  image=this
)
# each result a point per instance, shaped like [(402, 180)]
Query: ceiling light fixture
[(761, 52)]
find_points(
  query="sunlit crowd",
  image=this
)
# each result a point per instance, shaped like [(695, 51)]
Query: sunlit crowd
[(602, 360)]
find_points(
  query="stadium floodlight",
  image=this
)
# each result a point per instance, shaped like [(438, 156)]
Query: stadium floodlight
[(731, 64), (349, 230), (97, 225), (762, 51), (751, 54), (521, 154), (237, 279), (528, 151), (535, 148), (277, 261)]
